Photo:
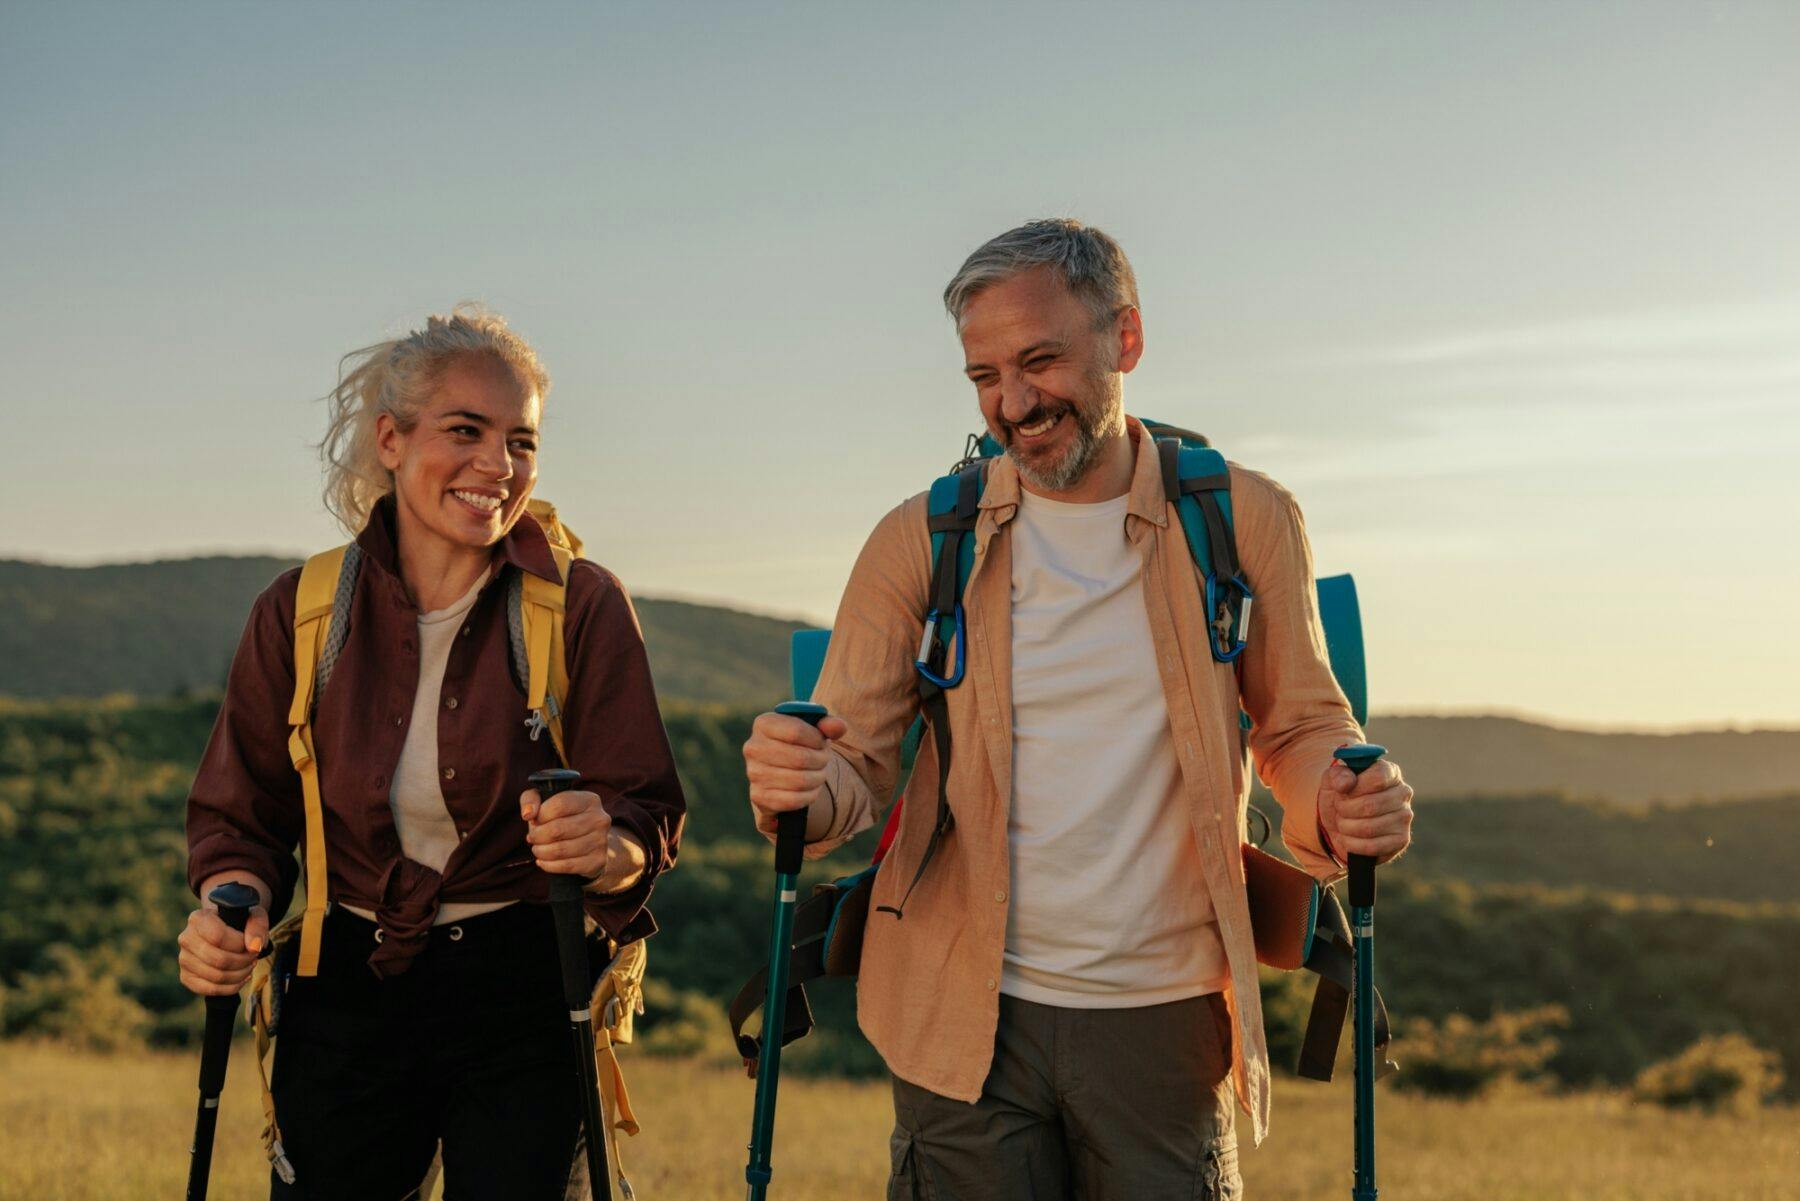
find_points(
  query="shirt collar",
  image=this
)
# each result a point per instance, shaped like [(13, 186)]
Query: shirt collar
[(524, 546)]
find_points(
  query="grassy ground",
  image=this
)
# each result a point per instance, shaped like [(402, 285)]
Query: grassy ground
[(82, 1127)]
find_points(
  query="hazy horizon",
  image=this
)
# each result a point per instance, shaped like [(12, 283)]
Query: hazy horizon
[(1508, 297)]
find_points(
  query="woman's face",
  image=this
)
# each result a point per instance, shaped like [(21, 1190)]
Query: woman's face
[(465, 470)]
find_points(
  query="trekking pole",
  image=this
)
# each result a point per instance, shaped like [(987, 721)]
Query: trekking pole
[(790, 848), (1358, 759), (568, 906), (234, 902)]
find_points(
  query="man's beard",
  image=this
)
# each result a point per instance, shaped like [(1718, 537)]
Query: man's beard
[(1093, 424)]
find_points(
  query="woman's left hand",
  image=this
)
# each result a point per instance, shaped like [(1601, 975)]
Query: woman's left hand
[(572, 834)]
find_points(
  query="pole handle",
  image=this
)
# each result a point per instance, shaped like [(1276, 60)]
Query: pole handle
[(1360, 758), (790, 827), (568, 902), (234, 901)]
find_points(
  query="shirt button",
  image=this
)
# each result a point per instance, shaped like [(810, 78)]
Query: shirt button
[(398, 720), (1000, 896), (381, 781), (990, 985), (466, 629), (450, 704), (449, 773)]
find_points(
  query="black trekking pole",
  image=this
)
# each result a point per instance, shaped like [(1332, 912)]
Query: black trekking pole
[(567, 905), (790, 852), (1358, 759), (234, 902)]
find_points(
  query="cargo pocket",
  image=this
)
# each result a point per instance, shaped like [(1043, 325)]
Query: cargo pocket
[(904, 1177), (1219, 1176)]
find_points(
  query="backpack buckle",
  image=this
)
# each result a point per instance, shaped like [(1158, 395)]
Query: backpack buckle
[(931, 648), (1228, 630)]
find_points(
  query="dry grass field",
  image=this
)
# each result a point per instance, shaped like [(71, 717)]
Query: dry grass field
[(84, 1127)]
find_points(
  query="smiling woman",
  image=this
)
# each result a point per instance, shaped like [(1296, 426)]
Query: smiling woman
[(384, 710)]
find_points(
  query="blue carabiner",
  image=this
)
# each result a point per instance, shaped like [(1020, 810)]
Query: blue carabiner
[(1236, 637), (934, 621)]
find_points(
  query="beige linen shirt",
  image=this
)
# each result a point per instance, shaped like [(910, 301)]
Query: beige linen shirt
[(928, 997)]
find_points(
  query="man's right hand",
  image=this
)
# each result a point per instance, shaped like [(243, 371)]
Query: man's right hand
[(215, 960), (785, 761)]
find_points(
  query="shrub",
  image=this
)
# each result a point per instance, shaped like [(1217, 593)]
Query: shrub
[(1460, 1057), (1725, 1072)]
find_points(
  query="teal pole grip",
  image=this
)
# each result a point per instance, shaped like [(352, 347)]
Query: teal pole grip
[(1360, 758)]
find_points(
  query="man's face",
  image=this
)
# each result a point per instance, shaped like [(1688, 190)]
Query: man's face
[(1049, 383)]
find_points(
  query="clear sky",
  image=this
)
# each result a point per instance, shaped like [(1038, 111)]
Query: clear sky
[(1508, 294)]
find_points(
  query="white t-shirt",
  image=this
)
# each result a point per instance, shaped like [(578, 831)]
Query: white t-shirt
[(427, 832), (1109, 906)]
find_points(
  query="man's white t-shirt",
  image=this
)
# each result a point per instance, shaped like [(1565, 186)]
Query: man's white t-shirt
[(1109, 906)]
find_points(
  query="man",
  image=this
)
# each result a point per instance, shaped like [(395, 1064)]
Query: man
[(1067, 998)]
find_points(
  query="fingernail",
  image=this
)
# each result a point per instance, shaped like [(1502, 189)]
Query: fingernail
[(254, 942)]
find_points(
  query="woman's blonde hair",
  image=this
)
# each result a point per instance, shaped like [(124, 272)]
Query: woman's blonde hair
[(397, 377)]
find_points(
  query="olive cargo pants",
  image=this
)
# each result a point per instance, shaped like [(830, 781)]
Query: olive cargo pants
[(1081, 1105)]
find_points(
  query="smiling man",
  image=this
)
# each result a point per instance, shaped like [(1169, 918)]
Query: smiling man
[(1069, 1004)]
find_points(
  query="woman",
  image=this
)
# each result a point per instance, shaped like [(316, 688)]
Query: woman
[(435, 1012)]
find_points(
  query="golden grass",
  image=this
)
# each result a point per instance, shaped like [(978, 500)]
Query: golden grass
[(82, 1127)]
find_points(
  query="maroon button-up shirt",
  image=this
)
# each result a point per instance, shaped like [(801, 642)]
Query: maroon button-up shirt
[(246, 812)]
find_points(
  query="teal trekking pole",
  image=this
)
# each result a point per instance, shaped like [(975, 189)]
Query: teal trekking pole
[(234, 902), (568, 907), (790, 851), (1358, 759)]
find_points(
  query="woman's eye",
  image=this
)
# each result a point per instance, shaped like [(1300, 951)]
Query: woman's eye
[(524, 447)]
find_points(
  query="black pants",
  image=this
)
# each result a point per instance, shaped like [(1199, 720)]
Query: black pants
[(469, 1046)]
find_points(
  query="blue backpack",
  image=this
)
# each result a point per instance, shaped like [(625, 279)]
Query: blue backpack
[(1304, 926)]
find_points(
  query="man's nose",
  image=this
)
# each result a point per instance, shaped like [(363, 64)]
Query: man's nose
[(1017, 399)]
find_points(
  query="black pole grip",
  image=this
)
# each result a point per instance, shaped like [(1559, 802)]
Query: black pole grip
[(790, 827), (568, 903), (234, 902), (1359, 758)]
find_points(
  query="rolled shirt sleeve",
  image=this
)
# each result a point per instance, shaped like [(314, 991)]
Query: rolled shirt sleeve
[(245, 811), (1299, 713), (868, 678), (613, 731)]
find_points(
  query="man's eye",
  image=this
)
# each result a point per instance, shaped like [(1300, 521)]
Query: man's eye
[(524, 447)]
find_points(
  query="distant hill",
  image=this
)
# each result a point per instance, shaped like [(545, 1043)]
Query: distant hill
[(165, 627), (1503, 756)]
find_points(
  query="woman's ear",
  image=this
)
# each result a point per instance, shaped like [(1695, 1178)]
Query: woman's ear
[(390, 442)]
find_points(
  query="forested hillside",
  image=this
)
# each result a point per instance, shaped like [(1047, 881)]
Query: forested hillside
[(1646, 935)]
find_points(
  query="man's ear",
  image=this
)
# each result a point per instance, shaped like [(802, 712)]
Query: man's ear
[(1128, 328)]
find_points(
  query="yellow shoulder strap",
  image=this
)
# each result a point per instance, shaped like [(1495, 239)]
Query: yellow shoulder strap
[(312, 620), (541, 608)]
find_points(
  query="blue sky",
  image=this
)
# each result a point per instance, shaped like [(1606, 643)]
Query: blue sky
[(1508, 294)]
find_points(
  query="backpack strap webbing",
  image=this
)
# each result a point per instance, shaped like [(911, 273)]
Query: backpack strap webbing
[(952, 509), (314, 604), (1332, 957), (1197, 482), (535, 612)]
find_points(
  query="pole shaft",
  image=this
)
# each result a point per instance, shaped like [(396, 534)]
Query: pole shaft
[(1362, 1027), (568, 906)]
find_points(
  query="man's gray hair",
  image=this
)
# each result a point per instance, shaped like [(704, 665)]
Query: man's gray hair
[(1092, 265)]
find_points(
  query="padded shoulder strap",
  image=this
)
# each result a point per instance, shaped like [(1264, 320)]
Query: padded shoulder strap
[(1197, 482), (313, 605), (541, 612)]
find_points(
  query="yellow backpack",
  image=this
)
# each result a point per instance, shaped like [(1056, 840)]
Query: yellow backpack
[(535, 629)]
